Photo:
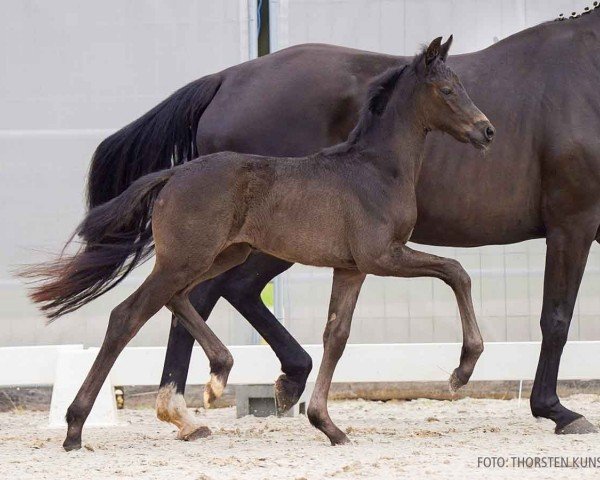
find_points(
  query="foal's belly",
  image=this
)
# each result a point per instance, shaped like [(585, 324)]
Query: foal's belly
[(317, 245)]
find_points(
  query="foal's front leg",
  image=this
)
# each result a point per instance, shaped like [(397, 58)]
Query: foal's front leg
[(402, 261), (344, 293)]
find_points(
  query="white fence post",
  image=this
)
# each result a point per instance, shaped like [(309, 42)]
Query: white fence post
[(72, 367)]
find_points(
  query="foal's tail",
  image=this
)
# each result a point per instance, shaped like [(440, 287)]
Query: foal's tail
[(117, 236)]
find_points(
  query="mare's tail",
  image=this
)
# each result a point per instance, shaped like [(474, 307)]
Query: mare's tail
[(161, 138)]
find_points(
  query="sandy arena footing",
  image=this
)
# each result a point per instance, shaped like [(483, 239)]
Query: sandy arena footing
[(414, 439)]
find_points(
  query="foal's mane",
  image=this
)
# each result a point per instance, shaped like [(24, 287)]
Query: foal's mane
[(378, 96)]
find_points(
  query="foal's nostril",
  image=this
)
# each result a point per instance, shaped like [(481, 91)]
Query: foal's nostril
[(489, 133)]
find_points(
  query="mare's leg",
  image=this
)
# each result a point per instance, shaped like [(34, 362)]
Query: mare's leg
[(241, 286), (125, 321), (566, 256), (344, 293), (242, 289), (403, 261)]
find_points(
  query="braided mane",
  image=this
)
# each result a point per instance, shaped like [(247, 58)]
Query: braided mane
[(575, 15)]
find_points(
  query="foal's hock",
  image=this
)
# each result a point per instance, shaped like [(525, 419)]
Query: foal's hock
[(208, 214)]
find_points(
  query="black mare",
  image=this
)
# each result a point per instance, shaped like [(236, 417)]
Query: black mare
[(542, 178)]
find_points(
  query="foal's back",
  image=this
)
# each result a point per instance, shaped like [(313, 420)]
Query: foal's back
[(279, 205)]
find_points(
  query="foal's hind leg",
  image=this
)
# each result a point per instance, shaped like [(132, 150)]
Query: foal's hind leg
[(402, 261), (170, 405), (125, 321), (219, 357), (170, 402), (344, 293)]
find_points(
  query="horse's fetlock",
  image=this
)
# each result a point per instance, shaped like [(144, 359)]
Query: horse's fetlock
[(544, 405), (228, 361), (74, 414), (222, 363), (315, 416), (302, 365)]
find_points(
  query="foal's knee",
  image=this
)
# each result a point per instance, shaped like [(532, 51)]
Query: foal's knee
[(336, 336), (457, 275), (336, 329)]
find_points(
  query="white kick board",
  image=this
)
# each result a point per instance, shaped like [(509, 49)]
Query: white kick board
[(72, 367)]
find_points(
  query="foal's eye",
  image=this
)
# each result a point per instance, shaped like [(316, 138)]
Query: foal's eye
[(446, 90)]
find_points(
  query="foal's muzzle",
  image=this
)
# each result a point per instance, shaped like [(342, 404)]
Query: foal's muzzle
[(482, 134)]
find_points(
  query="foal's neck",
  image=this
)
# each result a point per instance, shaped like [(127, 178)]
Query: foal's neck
[(396, 139)]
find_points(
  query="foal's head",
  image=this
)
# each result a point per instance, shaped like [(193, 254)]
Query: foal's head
[(443, 102)]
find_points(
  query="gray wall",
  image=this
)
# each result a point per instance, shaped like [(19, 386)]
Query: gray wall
[(72, 72), (402, 26)]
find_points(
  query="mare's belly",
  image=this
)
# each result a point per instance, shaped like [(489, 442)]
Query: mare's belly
[(465, 199)]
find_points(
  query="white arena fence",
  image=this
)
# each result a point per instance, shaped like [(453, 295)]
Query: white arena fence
[(256, 364), (65, 367)]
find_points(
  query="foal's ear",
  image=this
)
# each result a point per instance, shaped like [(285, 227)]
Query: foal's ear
[(445, 47), (433, 51)]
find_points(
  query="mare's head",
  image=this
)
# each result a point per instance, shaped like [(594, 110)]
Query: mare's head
[(443, 102)]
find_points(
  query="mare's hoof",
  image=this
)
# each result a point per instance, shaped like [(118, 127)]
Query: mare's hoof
[(454, 383), (195, 434), (69, 445), (578, 426), (287, 393)]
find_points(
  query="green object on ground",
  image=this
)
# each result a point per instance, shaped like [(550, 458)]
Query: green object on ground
[(268, 295)]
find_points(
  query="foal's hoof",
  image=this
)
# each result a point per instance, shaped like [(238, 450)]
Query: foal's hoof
[(287, 393), (455, 382), (340, 440), (69, 445), (213, 390), (198, 432), (578, 426)]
